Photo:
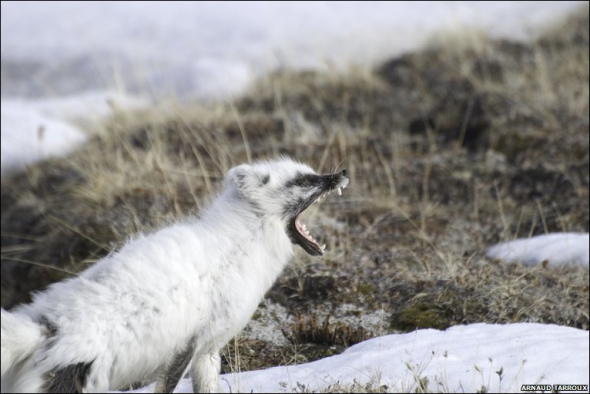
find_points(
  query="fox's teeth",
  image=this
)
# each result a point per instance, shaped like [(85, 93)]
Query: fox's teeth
[(324, 247)]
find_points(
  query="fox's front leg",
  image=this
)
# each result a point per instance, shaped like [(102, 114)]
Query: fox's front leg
[(205, 369)]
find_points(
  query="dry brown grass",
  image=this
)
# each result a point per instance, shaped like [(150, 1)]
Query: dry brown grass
[(449, 149)]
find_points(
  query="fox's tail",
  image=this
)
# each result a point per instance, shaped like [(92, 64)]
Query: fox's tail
[(20, 338)]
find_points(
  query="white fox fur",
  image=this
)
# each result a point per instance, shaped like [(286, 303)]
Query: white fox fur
[(177, 295)]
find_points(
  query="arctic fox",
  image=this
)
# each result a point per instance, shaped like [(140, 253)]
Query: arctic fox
[(168, 300)]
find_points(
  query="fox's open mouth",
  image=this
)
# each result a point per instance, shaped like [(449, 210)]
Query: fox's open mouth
[(298, 231)]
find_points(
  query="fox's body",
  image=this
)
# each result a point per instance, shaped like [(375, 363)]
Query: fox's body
[(167, 299)]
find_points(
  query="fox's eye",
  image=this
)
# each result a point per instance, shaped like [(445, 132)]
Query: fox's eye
[(305, 180)]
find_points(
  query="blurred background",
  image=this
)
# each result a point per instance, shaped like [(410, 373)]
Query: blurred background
[(210, 49)]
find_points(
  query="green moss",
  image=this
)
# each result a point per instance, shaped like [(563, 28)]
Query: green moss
[(367, 290), (422, 315), (452, 306)]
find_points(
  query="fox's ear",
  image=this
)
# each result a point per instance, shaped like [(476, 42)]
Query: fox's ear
[(238, 176), (244, 177)]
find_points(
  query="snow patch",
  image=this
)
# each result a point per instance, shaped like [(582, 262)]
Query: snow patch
[(34, 130), (29, 136), (459, 359), (556, 249)]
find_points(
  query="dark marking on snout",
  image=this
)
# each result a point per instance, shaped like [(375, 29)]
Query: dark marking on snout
[(70, 379), (265, 179), (326, 182), (175, 370), (305, 181)]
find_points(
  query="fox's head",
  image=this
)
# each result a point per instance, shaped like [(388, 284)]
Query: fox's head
[(282, 190)]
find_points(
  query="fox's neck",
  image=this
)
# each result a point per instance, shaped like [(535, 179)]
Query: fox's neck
[(251, 233), (230, 210)]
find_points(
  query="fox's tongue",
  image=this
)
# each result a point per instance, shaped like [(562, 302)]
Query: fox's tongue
[(302, 229)]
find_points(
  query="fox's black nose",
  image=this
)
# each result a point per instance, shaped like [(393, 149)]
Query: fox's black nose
[(344, 173)]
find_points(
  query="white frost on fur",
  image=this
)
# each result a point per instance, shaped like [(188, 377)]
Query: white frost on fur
[(199, 281)]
